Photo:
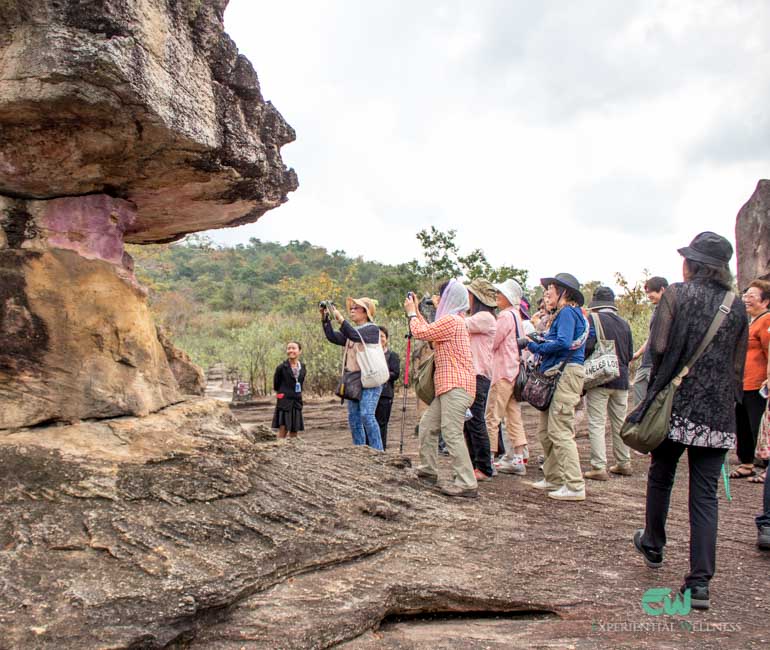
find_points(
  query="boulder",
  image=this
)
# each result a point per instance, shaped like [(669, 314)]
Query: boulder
[(752, 236), (146, 100), (189, 376), (77, 339)]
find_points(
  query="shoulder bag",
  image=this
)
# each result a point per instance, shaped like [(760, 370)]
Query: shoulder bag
[(349, 386), (602, 366), (424, 386), (540, 386), (521, 378), (654, 426), (374, 367)]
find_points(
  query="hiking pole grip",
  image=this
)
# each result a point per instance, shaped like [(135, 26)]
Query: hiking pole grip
[(406, 387)]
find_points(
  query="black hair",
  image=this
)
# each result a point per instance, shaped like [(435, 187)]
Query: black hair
[(478, 306), (700, 271), (441, 288), (655, 283), (571, 295), (297, 343), (384, 330)]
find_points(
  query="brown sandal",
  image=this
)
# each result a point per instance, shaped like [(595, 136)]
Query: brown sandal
[(742, 472), (759, 478)]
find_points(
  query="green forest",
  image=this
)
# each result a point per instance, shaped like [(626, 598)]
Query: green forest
[(240, 305)]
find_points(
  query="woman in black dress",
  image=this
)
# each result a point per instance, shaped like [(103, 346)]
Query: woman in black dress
[(288, 380)]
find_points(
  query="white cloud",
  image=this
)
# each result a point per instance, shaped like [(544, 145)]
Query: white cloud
[(588, 137)]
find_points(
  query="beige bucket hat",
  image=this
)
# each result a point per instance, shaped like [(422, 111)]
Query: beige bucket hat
[(369, 305)]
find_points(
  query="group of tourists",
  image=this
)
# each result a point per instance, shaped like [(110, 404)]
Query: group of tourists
[(710, 344)]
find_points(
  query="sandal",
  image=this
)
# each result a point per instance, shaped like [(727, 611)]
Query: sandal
[(742, 472), (759, 478)]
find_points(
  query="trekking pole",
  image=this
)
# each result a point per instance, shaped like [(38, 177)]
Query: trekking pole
[(406, 387), (727, 483)]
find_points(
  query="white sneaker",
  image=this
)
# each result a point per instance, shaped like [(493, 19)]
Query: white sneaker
[(565, 494), (542, 484), (514, 466)]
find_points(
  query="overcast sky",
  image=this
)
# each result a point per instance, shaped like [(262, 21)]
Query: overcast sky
[(585, 136)]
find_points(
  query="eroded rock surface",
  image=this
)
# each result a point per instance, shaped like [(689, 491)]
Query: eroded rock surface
[(77, 339), (752, 236), (144, 531), (147, 100), (189, 376)]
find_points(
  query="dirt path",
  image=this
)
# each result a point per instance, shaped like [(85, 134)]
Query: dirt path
[(601, 575)]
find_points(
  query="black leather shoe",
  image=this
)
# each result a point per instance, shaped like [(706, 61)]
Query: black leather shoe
[(653, 559), (763, 538), (699, 596)]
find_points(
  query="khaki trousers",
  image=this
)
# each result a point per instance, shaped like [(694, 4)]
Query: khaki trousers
[(501, 404), (446, 414), (556, 431), (602, 402)]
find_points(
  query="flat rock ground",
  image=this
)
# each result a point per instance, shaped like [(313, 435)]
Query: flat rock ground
[(513, 569)]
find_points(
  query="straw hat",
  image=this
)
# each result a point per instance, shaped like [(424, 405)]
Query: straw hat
[(369, 305)]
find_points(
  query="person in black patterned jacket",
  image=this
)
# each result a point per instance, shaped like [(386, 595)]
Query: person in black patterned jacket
[(703, 414)]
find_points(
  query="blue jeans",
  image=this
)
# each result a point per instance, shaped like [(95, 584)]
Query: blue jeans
[(363, 424)]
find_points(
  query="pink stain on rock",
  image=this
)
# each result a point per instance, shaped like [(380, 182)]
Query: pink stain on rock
[(92, 225)]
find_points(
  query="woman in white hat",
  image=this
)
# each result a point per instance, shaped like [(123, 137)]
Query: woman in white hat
[(505, 368), (361, 412)]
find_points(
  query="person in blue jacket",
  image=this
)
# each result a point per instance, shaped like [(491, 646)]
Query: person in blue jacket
[(562, 347)]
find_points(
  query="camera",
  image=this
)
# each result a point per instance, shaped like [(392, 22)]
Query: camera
[(409, 295), (524, 341)]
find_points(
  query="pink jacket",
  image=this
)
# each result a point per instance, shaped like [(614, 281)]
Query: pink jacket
[(482, 326), (505, 352)]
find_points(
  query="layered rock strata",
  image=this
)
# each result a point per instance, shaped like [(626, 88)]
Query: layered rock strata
[(145, 532), (752, 236), (77, 340), (120, 121), (146, 100)]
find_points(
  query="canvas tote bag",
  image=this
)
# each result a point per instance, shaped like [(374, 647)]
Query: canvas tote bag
[(374, 367), (653, 428), (602, 366)]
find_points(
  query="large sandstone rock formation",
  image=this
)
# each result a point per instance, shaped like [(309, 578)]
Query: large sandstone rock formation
[(120, 121), (77, 339), (147, 100), (752, 236)]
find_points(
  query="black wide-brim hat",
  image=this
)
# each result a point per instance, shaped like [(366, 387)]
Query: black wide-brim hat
[(604, 297), (568, 281), (708, 248)]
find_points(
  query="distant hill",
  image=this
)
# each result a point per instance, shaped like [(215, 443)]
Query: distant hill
[(266, 276)]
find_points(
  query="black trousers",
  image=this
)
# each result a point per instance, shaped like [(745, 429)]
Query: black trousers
[(475, 429), (382, 415), (705, 468), (748, 416)]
